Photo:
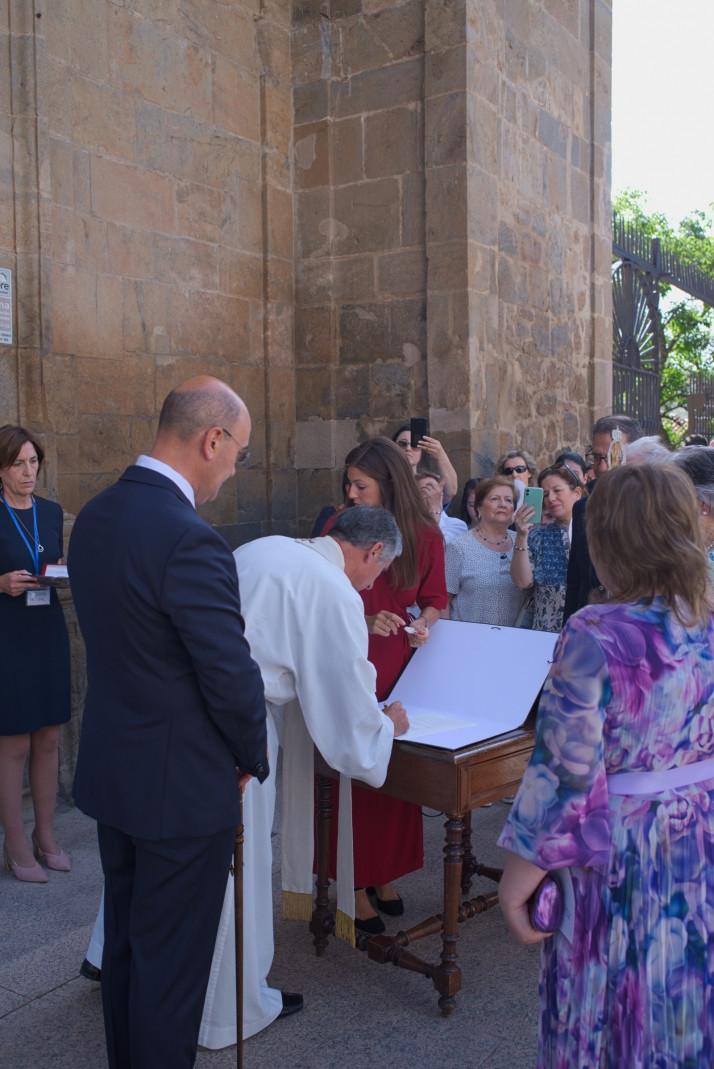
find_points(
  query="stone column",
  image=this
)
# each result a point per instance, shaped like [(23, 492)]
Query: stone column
[(517, 224)]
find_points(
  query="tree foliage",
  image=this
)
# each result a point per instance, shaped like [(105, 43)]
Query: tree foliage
[(687, 324)]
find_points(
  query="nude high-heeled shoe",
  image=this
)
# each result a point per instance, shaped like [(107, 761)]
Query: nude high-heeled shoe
[(60, 861), (22, 872)]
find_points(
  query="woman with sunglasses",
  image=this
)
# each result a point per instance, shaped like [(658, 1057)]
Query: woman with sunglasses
[(540, 552), (433, 448), (518, 466)]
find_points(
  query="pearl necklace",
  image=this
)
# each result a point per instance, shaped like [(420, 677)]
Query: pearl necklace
[(490, 542)]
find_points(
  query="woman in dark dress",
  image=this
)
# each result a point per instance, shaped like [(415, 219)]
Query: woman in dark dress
[(33, 637), (388, 832)]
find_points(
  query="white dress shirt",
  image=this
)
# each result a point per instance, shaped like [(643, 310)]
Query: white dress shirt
[(164, 469)]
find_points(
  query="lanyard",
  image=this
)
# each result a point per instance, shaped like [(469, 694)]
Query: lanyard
[(34, 553)]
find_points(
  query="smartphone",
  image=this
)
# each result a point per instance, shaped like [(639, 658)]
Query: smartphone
[(418, 429), (534, 496)]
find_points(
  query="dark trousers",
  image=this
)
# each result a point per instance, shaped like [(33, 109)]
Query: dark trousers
[(162, 907)]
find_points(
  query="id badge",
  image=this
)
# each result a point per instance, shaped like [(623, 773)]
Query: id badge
[(38, 597)]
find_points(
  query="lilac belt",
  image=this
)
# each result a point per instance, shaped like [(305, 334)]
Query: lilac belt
[(659, 782)]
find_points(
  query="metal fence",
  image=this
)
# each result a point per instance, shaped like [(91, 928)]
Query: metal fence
[(700, 404)]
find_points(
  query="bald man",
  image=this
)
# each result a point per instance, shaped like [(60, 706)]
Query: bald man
[(174, 719)]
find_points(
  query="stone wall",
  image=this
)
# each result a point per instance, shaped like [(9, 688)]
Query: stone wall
[(452, 226), (353, 211), (147, 213)]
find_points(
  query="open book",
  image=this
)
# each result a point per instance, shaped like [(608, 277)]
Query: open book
[(471, 682)]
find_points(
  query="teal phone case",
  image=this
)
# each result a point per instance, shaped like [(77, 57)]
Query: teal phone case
[(534, 496)]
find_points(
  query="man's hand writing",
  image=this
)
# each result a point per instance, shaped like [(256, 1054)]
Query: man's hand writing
[(398, 715)]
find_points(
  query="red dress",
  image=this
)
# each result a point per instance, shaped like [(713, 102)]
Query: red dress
[(388, 833)]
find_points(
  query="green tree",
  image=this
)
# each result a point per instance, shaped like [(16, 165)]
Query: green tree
[(687, 324)]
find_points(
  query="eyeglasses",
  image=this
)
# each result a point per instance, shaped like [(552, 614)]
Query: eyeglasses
[(243, 454), (404, 443), (596, 458), (517, 470)]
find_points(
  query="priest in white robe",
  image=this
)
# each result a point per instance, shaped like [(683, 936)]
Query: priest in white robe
[(304, 621)]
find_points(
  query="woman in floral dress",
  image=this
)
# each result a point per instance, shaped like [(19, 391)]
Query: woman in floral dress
[(631, 690)]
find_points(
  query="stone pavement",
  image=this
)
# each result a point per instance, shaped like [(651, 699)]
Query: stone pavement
[(357, 1015)]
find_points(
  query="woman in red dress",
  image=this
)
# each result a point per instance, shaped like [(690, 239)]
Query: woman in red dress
[(388, 833)]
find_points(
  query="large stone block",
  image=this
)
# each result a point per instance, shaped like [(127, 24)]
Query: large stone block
[(202, 213), (103, 118), (398, 83), (311, 156), (132, 195), (193, 151), (186, 263), (402, 274), (104, 444), (145, 317), (347, 151), (210, 324), (314, 393), (381, 332), (392, 142), (236, 98), (354, 278), (122, 387), (313, 335), (129, 251), (147, 58), (370, 211), (352, 397), (241, 274), (381, 37)]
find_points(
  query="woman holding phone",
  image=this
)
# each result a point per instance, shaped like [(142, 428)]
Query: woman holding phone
[(540, 552), (433, 448)]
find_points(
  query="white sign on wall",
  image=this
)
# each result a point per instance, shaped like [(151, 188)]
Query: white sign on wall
[(5, 306)]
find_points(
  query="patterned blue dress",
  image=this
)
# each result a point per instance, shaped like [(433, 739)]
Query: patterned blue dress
[(548, 550), (630, 689)]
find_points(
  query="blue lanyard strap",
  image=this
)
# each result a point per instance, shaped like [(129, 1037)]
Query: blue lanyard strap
[(34, 553)]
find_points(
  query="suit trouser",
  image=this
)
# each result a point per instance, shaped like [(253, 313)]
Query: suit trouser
[(162, 907)]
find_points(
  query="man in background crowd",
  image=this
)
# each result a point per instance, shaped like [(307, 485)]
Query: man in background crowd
[(582, 577)]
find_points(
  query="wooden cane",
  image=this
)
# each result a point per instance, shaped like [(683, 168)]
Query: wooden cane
[(238, 900)]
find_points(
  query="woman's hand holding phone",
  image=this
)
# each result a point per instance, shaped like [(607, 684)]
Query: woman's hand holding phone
[(524, 519)]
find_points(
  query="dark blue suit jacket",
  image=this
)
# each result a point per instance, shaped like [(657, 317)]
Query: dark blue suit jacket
[(175, 701)]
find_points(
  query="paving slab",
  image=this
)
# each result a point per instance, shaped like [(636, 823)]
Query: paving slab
[(357, 1014)]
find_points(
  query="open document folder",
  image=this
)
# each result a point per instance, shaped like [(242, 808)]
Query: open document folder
[(471, 682)]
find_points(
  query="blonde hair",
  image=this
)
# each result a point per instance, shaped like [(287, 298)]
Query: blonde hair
[(643, 529), (511, 455)]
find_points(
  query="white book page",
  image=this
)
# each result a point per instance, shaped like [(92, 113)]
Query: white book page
[(471, 682)]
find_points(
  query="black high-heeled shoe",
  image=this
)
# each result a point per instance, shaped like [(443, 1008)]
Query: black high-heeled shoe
[(372, 926), (393, 908)]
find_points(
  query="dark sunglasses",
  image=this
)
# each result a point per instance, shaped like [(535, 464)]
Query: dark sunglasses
[(518, 470), (243, 454)]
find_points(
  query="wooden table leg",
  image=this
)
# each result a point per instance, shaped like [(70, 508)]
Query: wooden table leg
[(467, 856), (447, 977), (323, 920)]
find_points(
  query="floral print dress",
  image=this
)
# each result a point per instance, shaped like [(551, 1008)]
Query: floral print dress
[(630, 689)]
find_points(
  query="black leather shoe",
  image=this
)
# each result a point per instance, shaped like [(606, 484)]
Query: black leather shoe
[(393, 907), (373, 926), (291, 1004), (89, 971)]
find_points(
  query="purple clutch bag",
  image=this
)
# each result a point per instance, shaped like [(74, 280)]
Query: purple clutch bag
[(545, 906)]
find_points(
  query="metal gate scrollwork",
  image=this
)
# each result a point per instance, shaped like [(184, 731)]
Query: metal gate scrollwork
[(636, 344)]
